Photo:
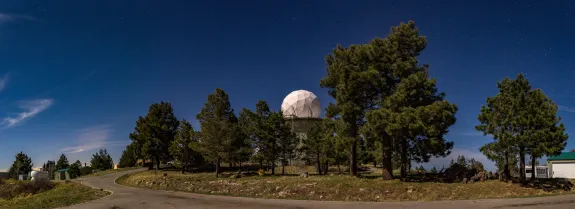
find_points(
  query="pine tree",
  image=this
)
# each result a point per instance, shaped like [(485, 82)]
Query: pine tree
[(522, 120), (50, 167), (181, 147), (433, 170), (314, 144), (62, 162), (497, 118), (284, 138), (139, 138), (411, 117), (22, 165), (74, 169), (217, 127), (545, 133), (462, 161), (101, 160), (128, 158)]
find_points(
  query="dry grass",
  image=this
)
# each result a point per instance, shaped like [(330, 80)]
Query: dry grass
[(62, 194), (331, 187)]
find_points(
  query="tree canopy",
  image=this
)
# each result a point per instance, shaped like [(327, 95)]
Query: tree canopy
[(218, 127), (62, 162), (101, 160), (521, 120), (154, 133), (22, 165)]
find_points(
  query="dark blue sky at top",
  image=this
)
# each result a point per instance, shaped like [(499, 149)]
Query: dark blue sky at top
[(100, 64)]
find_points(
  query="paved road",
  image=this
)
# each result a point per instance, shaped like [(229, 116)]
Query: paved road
[(129, 197)]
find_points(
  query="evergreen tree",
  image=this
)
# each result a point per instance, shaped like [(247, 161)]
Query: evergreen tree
[(265, 130), (433, 170), (218, 129), (462, 161), (475, 165), (314, 144), (128, 158), (181, 147), (22, 165), (101, 160), (74, 169), (284, 138), (521, 120), (62, 162), (154, 133), (545, 134), (412, 117), (354, 81), (50, 167), (139, 138), (421, 169)]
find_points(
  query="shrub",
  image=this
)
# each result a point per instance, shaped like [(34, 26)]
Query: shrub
[(10, 190), (86, 170)]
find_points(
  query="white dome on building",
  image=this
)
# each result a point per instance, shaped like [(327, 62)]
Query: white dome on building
[(301, 104)]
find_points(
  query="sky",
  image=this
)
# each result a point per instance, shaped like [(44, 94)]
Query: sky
[(75, 75)]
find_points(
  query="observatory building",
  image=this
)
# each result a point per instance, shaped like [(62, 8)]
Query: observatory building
[(302, 108)]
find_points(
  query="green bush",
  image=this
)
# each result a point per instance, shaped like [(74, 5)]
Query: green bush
[(86, 170)]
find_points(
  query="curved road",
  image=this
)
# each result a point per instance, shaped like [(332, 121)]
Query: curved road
[(129, 197)]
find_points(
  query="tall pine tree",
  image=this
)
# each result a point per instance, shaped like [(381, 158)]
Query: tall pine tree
[(412, 117), (154, 133), (218, 129)]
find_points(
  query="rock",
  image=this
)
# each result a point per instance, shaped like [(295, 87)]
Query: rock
[(304, 175), (464, 181)]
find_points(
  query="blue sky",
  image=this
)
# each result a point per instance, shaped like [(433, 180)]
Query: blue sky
[(75, 75)]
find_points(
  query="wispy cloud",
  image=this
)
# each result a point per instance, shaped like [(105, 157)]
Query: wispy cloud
[(31, 109), (4, 81), (5, 17), (93, 138), (566, 109)]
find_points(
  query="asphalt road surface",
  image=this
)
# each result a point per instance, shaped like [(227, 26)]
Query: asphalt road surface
[(129, 197)]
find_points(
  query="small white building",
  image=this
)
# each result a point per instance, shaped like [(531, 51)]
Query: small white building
[(562, 166), (540, 171)]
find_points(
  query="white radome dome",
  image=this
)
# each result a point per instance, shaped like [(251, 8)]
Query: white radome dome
[(301, 104)]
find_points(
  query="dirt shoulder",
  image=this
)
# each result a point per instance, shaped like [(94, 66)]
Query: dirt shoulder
[(334, 187)]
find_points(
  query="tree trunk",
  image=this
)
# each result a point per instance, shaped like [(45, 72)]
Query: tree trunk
[(522, 164), (217, 167), (158, 162), (262, 164), (387, 166), (240, 168), (326, 167), (273, 168), (533, 169), (352, 159), (283, 169), (318, 163), (338, 167), (183, 169), (506, 172), (374, 164), (230, 165), (404, 162)]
